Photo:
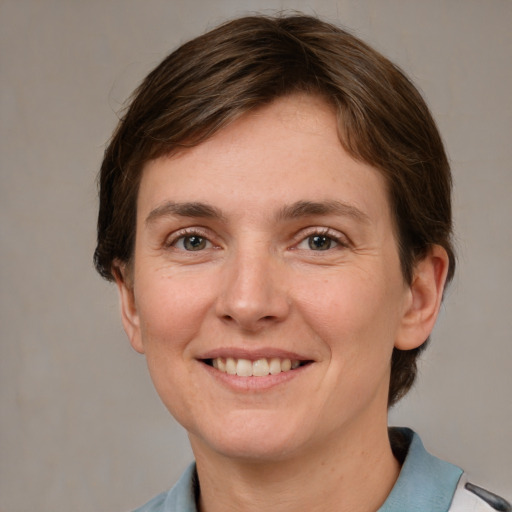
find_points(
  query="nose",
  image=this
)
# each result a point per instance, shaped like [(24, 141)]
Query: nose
[(253, 293)]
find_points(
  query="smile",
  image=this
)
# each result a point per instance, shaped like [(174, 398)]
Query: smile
[(258, 368)]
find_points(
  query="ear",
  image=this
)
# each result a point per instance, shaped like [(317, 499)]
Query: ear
[(424, 300), (129, 313)]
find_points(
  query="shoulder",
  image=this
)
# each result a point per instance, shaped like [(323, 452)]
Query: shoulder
[(181, 498), (154, 505), (469, 497), (427, 483)]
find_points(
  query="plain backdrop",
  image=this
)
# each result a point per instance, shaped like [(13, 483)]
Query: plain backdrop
[(81, 427)]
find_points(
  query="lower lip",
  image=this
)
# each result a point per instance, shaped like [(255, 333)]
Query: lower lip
[(254, 383)]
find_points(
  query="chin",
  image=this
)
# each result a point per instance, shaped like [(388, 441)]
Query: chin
[(257, 439)]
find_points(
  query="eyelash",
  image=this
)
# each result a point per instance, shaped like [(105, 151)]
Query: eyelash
[(301, 238), (334, 236), (187, 233)]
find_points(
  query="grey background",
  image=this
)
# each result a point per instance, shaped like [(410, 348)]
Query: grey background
[(81, 428)]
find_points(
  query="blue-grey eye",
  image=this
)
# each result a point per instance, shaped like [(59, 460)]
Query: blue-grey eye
[(194, 243), (320, 242)]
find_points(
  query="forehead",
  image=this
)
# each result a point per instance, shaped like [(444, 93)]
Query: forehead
[(287, 151)]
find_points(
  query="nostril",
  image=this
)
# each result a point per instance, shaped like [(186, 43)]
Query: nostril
[(253, 313)]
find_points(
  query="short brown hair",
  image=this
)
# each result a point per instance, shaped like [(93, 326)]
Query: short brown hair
[(251, 61)]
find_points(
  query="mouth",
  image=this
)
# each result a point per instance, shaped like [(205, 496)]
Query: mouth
[(261, 367)]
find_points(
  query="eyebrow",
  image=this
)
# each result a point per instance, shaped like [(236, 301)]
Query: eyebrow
[(311, 208), (296, 210), (189, 209)]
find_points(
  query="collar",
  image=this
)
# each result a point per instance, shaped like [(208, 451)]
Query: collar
[(425, 482)]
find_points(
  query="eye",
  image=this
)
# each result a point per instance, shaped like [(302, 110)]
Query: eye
[(321, 240), (192, 243)]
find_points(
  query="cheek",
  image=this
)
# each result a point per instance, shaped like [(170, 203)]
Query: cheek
[(355, 313), (171, 311), (171, 308), (352, 319)]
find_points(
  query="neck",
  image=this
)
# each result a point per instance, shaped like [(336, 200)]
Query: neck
[(354, 472)]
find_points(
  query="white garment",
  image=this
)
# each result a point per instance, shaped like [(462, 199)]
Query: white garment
[(465, 500)]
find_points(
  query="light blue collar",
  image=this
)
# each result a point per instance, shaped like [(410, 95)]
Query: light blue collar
[(425, 483)]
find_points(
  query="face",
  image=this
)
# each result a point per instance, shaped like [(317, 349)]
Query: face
[(266, 291)]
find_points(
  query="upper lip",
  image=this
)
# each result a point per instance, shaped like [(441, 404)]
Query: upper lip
[(253, 354)]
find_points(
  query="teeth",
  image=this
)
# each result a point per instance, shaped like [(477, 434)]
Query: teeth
[(275, 366), (221, 364), (244, 368), (259, 368), (230, 366)]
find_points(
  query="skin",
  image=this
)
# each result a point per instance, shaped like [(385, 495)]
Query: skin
[(256, 288)]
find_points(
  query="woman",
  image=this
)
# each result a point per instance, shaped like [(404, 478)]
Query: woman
[(275, 210)]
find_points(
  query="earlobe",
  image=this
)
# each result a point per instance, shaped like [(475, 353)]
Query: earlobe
[(424, 301), (129, 313)]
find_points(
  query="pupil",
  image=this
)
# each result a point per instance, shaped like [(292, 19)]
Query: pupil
[(319, 242), (194, 243)]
